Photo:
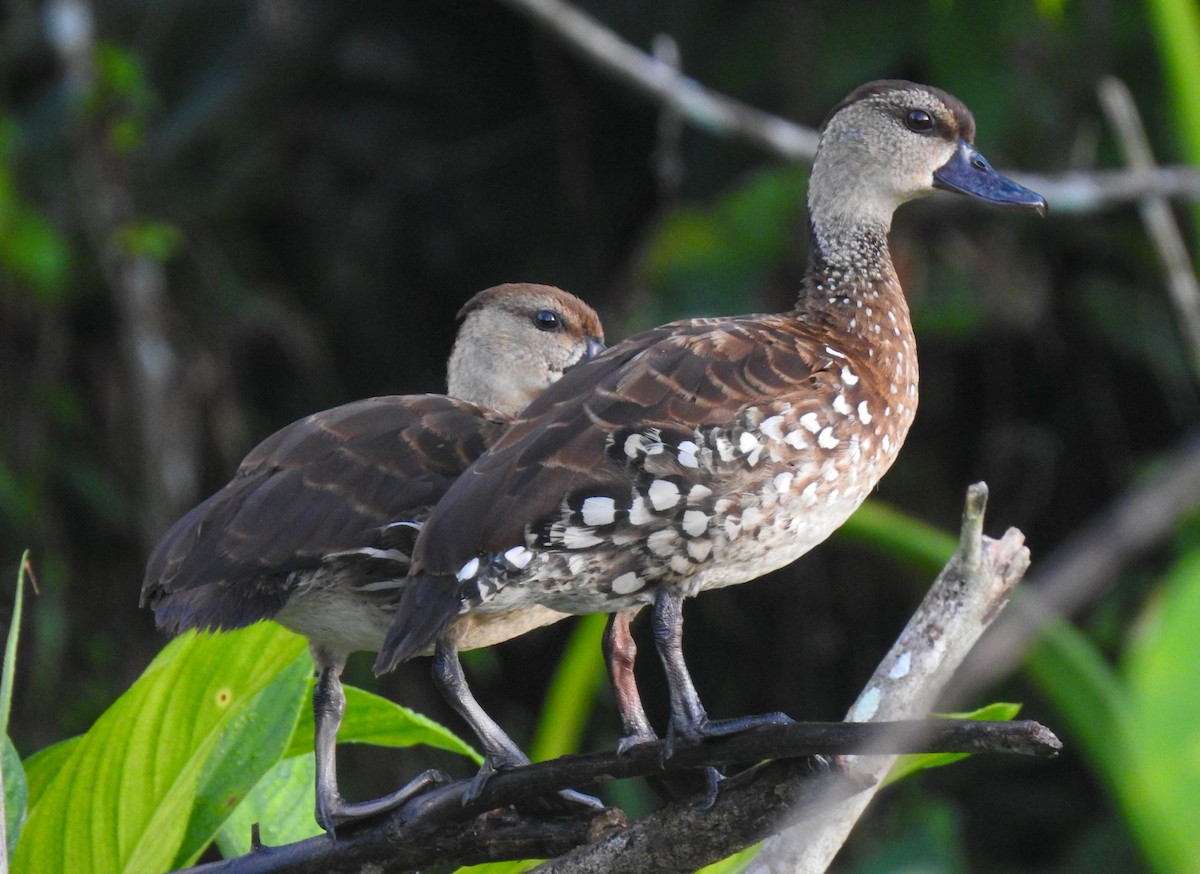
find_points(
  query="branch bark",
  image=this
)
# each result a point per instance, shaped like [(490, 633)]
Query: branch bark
[(964, 600), (595, 44)]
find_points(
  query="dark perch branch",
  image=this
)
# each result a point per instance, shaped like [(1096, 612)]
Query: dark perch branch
[(437, 829)]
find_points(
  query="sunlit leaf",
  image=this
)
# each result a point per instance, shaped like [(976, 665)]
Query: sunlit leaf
[(282, 803), (250, 747), (373, 719), (1162, 666), (122, 799), (907, 765), (571, 697)]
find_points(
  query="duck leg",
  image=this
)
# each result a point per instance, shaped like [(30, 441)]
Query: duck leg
[(499, 750), (688, 719), (329, 706), (620, 653)]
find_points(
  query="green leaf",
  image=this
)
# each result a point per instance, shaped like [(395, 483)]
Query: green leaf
[(501, 867), (13, 783), (249, 747), (733, 864), (1162, 774), (1071, 672), (123, 797), (43, 766), (572, 694), (907, 765), (373, 719), (282, 803), (16, 795)]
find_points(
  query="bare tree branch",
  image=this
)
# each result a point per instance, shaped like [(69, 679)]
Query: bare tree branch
[(588, 39), (964, 600)]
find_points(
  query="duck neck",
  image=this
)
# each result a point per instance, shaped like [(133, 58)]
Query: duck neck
[(851, 285)]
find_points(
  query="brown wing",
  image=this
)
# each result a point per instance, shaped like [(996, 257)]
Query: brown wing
[(676, 378), (325, 484), (680, 382)]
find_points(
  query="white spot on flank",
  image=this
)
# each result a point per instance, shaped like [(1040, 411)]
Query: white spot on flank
[(783, 482), (698, 493), (811, 422), (663, 494), (599, 511), (519, 557), (662, 542), (886, 443), (633, 445), (808, 497), (751, 517), (849, 376), (638, 513), (840, 406), (900, 669), (864, 413), (834, 352), (468, 570), (579, 538), (699, 550), (687, 454), (795, 439), (576, 564), (627, 583), (773, 427), (826, 440), (695, 522)]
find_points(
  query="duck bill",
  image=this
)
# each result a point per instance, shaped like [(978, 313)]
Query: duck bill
[(594, 348), (969, 173)]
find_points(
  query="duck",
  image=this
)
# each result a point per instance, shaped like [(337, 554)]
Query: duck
[(316, 527), (708, 452)]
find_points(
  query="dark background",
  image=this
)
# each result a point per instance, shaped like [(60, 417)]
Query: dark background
[(320, 186)]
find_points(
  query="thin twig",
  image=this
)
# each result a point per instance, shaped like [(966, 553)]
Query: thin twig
[(966, 598), (1068, 193), (1163, 230)]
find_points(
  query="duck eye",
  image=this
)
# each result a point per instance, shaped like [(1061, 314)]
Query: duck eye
[(547, 320), (919, 121)]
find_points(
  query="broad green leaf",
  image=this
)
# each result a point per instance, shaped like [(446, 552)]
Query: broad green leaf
[(1071, 672), (373, 719), (1162, 775), (249, 747), (15, 795), (282, 803), (43, 766), (122, 799), (734, 864), (572, 694), (517, 867), (908, 765)]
